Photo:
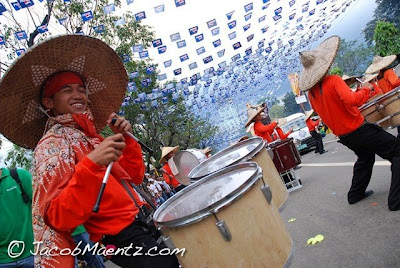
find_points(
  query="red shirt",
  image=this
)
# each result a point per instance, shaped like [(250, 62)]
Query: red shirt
[(264, 131), (174, 182), (311, 124), (338, 105), (389, 81)]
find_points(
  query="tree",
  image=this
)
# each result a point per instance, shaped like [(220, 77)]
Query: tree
[(336, 70), (353, 57), (290, 105), (388, 10), (19, 157), (387, 39), (276, 111)]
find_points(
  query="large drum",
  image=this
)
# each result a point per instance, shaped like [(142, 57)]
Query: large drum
[(225, 220), (252, 149), (286, 155), (390, 103), (184, 162), (383, 110)]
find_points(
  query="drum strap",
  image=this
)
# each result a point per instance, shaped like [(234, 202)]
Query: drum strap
[(141, 212)]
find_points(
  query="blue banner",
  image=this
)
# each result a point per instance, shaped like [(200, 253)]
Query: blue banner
[(86, 16), (175, 37), (159, 9), (236, 45), (139, 16), (199, 37), (157, 42), (181, 44), (193, 30), (211, 23), (167, 63), (229, 15), (232, 35), (217, 43), (232, 24), (184, 57), (200, 50), (162, 49)]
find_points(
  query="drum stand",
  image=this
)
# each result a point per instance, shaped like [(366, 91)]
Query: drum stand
[(291, 180)]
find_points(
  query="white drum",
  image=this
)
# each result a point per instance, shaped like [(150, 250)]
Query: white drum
[(184, 162)]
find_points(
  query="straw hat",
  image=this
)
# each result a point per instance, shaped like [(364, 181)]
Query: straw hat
[(317, 62), (252, 113), (98, 65), (167, 150), (379, 63), (369, 77), (281, 122), (349, 80), (308, 114)]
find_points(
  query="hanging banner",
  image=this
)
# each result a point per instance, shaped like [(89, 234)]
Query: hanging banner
[(294, 83)]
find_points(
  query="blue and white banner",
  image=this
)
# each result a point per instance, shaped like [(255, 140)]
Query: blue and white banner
[(137, 48), (179, 3), (20, 51), (167, 63), (21, 35), (42, 28), (221, 53), (208, 59), (250, 37), (200, 50), (199, 37), (86, 16), (184, 57), (119, 22), (248, 16), (193, 65), (140, 16), (248, 7), (232, 35), (2, 40), (143, 54), (193, 30), (175, 37), (278, 11), (217, 43), (99, 28), (211, 23), (178, 71), (157, 42), (262, 18), (232, 24), (109, 8), (159, 9), (162, 77), (162, 49), (246, 27), (236, 45), (215, 31), (229, 15), (16, 5), (181, 44)]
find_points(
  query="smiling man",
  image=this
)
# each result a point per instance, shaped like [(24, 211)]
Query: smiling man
[(71, 157)]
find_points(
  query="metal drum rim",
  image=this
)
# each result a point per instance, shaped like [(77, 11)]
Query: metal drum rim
[(214, 208), (245, 158)]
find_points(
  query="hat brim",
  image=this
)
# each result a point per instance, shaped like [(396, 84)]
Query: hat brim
[(383, 63), (253, 116), (166, 152), (308, 114), (98, 64), (325, 55)]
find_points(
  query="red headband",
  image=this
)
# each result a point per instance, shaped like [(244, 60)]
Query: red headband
[(58, 81)]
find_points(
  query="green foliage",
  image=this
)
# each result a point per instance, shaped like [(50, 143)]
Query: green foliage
[(290, 105), (353, 57), (19, 157), (336, 70), (388, 10), (387, 39), (276, 111)]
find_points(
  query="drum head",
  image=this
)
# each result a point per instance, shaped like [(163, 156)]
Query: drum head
[(201, 199), (239, 152), (186, 161)]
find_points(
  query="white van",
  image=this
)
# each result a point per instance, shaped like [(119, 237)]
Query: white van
[(301, 135)]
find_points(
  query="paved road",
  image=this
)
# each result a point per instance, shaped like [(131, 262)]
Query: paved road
[(362, 235)]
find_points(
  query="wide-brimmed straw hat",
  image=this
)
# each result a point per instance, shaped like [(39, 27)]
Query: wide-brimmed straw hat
[(94, 61), (369, 77), (308, 114), (252, 113), (317, 62), (379, 63), (350, 79), (165, 151)]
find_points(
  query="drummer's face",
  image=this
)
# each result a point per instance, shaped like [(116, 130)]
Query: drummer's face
[(258, 118), (72, 98)]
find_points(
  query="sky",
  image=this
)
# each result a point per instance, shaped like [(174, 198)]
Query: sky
[(174, 19)]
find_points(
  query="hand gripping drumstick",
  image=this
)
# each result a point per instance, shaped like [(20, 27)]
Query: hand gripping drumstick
[(109, 167)]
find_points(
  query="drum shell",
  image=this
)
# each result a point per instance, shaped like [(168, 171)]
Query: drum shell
[(286, 155), (371, 112), (259, 236), (391, 106), (272, 178)]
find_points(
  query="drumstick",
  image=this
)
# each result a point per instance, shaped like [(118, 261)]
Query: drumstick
[(149, 150), (103, 186)]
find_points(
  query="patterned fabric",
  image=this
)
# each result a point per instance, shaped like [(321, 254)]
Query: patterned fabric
[(58, 158)]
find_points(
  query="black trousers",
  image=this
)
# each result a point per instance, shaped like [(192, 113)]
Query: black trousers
[(366, 141), (318, 138), (139, 236)]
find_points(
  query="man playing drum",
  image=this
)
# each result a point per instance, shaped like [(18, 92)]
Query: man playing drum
[(166, 154), (70, 159), (387, 78), (312, 127), (337, 106)]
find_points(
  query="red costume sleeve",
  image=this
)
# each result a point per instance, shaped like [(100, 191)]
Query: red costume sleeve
[(391, 76), (348, 96), (132, 160)]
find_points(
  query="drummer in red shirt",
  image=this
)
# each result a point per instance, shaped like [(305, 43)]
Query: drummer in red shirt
[(312, 126), (337, 106), (166, 154), (266, 132), (387, 78)]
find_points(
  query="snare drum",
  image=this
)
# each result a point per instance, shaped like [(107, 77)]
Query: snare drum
[(286, 155), (252, 149), (225, 220), (185, 161)]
